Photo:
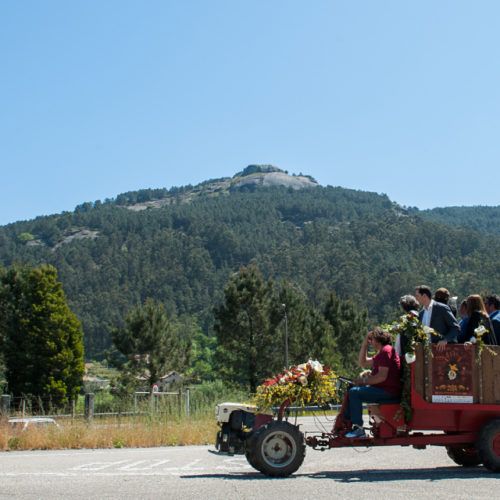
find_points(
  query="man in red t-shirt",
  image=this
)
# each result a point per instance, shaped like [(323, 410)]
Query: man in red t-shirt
[(382, 385)]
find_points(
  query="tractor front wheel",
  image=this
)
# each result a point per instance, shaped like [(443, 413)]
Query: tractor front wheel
[(488, 445), (277, 449)]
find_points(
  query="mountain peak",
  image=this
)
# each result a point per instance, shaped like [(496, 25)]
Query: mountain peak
[(255, 176), (258, 169), (251, 178)]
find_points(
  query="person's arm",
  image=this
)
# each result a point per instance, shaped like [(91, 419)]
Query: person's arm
[(452, 328), (378, 378), (363, 359)]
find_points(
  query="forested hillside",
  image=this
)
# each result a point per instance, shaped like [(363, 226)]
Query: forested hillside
[(484, 219), (111, 255)]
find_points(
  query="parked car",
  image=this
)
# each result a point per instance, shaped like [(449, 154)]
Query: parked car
[(27, 422)]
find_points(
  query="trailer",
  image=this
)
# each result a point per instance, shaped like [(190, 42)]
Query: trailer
[(454, 400)]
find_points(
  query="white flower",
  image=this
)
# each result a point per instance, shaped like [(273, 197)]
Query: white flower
[(302, 379), (480, 331), (316, 366), (410, 357)]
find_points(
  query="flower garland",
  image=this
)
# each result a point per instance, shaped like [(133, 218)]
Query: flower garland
[(411, 333), (479, 333), (302, 384)]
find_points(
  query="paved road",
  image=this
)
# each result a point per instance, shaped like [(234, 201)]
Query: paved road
[(192, 472)]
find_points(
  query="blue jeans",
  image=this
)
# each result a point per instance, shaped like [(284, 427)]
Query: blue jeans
[(365, 394)]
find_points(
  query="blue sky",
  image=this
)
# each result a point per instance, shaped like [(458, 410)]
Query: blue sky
[(102, 97)]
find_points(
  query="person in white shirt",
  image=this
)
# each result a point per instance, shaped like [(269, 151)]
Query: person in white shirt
[(437, 316)]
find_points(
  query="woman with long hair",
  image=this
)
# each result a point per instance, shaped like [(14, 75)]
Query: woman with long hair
[(477, 316)]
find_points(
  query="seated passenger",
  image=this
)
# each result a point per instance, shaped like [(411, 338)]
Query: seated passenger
[(476, 311), (381, 385)]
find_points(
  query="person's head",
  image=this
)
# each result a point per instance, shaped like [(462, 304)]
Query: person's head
[(379, 337), (442, 295), (463, 308), (408, 303), (475, 303), (423, 294), (492, 303)]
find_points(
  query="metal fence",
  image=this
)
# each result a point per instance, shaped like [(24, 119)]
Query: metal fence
[(90, 405)]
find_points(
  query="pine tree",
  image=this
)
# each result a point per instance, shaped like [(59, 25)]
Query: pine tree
[(248, 348), (349, 326), (43, 339), (152, 343), (310, 335)]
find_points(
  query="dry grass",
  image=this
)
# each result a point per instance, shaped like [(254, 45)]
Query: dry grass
[(111, 433)]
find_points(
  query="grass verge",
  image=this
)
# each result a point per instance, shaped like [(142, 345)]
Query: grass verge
[(111, 433)]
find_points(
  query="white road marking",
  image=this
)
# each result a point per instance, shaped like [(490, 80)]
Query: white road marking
[(153, 467), (234, 463), (133, 465), (95, 466), (191, 465)]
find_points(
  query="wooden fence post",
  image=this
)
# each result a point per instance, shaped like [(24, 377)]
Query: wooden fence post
[(5, 406), (89, 406)]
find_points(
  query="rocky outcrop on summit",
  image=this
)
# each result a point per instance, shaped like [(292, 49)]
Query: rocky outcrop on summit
[(274, 178), (251, 178)]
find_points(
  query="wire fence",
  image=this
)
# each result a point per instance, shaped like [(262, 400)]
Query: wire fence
[(182, 402)]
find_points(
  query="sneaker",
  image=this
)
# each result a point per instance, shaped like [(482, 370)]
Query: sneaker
[(356, 433)]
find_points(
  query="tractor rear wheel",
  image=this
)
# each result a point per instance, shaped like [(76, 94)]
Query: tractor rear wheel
[(466, 456), (277, 449), (488, 445), (250, 451)]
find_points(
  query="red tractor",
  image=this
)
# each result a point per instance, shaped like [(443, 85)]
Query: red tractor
[(454, 399)]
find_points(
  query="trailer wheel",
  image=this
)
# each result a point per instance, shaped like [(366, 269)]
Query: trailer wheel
[(466, 456), (277, 449), (489, 445)]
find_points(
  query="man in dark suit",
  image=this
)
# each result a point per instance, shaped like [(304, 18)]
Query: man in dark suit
[(438, 317)]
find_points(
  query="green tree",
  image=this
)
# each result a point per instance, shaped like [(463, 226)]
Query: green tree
[(152, 343), (349, 325), (43, 339), (248, 349), (310, 335), (203, 349)]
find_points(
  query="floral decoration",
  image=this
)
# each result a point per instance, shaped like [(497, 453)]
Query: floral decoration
[(307, 383), (410, 326), (412, 332), (479, 333)]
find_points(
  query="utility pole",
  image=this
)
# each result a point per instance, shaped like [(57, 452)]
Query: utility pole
[(286, 335)]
